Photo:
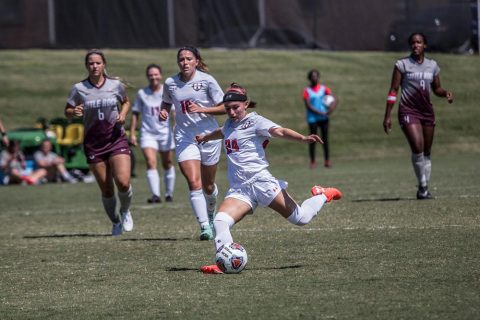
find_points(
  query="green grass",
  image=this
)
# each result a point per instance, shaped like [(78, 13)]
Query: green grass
[(376, 254)]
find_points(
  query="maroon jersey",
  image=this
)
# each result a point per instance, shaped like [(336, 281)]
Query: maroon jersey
[(103, 134), (416, 84)]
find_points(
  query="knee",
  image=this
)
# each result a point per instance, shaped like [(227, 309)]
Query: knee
[(123, 185), (124, 188), (296, 217), (194, 184), (151, 164), (209, 189)]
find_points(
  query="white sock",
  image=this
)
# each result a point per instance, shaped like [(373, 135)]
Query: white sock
[(222, 223), (153, 181), (169, 181), (199, 206), (66, 176), (212, 200), (428, 168), (125, 199), (418, 162), (110, 204), (307, 211)]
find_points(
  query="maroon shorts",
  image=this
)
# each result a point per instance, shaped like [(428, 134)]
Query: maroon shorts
[(406, 119), (119, 147)]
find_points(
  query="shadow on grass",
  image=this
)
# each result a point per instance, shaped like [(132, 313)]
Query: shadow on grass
[(296, 266), (157, 239), (71, 235), (383, 199)]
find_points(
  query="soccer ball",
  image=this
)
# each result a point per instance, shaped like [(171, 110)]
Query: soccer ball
[(231, 258), (328, 100)]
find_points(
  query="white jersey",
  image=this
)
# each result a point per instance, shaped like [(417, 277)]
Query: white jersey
[(203, 90), (148, 104), (245, 143)]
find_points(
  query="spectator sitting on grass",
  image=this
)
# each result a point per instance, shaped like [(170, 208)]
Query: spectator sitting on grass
[(12, 161), (54, 164)]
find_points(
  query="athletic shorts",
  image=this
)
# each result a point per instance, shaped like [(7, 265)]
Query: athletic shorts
[(208, 153), (119, 147), (162, 142), (407, 118), (259, 192)]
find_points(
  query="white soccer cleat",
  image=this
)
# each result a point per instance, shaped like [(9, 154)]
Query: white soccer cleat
[(127, 221), (117, 229)]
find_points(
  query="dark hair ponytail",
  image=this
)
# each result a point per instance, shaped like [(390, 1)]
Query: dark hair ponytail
[(202, 66)]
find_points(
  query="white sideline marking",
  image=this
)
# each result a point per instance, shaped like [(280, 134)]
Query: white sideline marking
[(371, 228), (98, 208)]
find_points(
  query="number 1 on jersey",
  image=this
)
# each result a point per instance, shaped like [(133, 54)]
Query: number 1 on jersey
[(184, 104)]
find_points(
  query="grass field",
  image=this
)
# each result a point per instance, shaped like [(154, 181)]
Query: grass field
[(376, 254)]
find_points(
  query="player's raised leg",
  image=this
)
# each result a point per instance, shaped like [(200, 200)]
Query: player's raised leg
[(303, 214)]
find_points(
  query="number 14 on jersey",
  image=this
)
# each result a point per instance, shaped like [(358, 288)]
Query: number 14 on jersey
[(231, 145)]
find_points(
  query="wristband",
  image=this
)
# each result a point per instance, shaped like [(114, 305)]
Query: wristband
[(3, 134), (392, 97)]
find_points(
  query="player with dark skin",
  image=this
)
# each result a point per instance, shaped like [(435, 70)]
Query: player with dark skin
[(317, 119), (419, 135)]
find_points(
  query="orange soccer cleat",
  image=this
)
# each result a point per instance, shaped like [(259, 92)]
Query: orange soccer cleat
[(330, 193), (211, 269)]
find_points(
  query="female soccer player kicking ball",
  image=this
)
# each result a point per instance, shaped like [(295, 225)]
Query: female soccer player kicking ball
[(245, 136)]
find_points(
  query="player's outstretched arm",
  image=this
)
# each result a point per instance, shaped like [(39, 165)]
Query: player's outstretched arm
[(214, 135), (289, 134)]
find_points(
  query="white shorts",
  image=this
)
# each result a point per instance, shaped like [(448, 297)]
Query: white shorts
[(208, 153), (260, 192), (162, 142)]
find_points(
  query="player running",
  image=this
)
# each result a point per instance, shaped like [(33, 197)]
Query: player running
[(245, 135), (196, 96), (418, 76), (155, 136), (96, 100)]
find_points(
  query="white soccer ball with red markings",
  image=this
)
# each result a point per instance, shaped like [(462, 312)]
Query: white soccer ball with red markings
[(231, 258), (328, 100)]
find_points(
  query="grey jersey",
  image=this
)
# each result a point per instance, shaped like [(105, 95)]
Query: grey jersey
[(416, 85), (101, 109)]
